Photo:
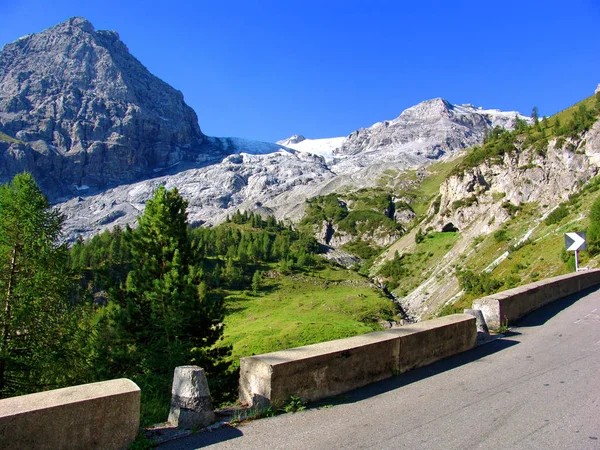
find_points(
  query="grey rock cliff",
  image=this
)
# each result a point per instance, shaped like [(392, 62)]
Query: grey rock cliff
[(424, 132), (476, 203), (100, 133), (87, 113)]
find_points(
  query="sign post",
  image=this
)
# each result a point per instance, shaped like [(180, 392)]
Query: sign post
[(574, 242)]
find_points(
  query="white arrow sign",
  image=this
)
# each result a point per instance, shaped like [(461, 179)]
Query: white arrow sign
[(575, 241)]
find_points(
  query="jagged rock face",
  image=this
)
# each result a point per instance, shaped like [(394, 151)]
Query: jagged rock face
[(96, 129), (253, 182), (294, 139), (87, 112), (521, 178), (330, 235), (404, 215), (427, 131)]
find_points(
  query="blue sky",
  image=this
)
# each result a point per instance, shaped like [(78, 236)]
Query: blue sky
[(265, 70)]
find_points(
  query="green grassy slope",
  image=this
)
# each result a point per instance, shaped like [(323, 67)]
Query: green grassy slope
[(301, 309), (526, 248)]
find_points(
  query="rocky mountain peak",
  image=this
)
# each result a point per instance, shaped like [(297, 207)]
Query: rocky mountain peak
[(428, 109), (426, 131), (294, 139), (83, 106)]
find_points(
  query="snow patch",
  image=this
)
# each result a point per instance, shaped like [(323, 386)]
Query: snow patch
[(321, 147)]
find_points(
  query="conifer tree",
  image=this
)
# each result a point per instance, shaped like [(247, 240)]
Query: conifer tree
[(534, 115), (166, 316), (256, 279), (34, 284)]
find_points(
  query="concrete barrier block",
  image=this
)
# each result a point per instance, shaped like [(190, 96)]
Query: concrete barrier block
[(317, 371), (482, 328), (323, 370), (103, 415), (515, 303), (426, 342)]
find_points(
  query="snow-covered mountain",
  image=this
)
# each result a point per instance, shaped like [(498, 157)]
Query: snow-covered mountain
[(100, 132), (278, 178), (322, 147), (429, 130)]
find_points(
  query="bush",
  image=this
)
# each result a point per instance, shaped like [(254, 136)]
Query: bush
[(478, 284), (593, 231), (466, 202), (511, 209), (362, 249), (557, 215), (501, 235)]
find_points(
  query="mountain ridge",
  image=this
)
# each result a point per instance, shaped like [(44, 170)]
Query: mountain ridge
[(88, 113), (100, 133)]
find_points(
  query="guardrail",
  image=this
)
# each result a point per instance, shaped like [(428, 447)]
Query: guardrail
[(106, 415), (503, 308), (103, 415), (322, 370)]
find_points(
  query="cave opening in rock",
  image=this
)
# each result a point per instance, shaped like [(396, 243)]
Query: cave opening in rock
[(449, 227)]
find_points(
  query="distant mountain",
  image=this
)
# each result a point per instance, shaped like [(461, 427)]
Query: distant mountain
[(427, 131), (279, 183), (86, 113), (100, 132)]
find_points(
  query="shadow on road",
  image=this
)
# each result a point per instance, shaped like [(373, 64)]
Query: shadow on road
[(542, 315), (533, 319), (421, 373), (203, 439)]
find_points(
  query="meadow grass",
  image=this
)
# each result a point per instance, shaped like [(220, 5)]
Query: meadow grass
[(297, 310)]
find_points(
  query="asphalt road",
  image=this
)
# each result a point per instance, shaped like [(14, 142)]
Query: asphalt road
[(536, 388)]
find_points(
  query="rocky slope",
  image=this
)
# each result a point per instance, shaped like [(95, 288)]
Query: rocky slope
[(483, 199), (100, 132), (88, 114), (257, 182), (430, 130)]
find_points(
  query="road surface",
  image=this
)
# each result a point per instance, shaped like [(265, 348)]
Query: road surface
[(536, 388)]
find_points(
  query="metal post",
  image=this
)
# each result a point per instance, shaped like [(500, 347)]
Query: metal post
[(576, 261)]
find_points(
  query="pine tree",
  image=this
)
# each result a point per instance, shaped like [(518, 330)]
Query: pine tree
[(165, 316), (34, 284), (534, 115), (256, 279)]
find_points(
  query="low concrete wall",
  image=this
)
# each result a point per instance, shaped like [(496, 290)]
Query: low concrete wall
[(322, 370), (510, 305), (103, 415)]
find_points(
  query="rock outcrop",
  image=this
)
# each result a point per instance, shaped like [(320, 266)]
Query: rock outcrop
[(521, 177), (424, 132), (99, 133), (480, 200), (87, 114)]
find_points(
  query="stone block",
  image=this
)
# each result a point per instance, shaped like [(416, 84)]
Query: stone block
[(323, 370), (103, 415), (513, 304), (191, 405)]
